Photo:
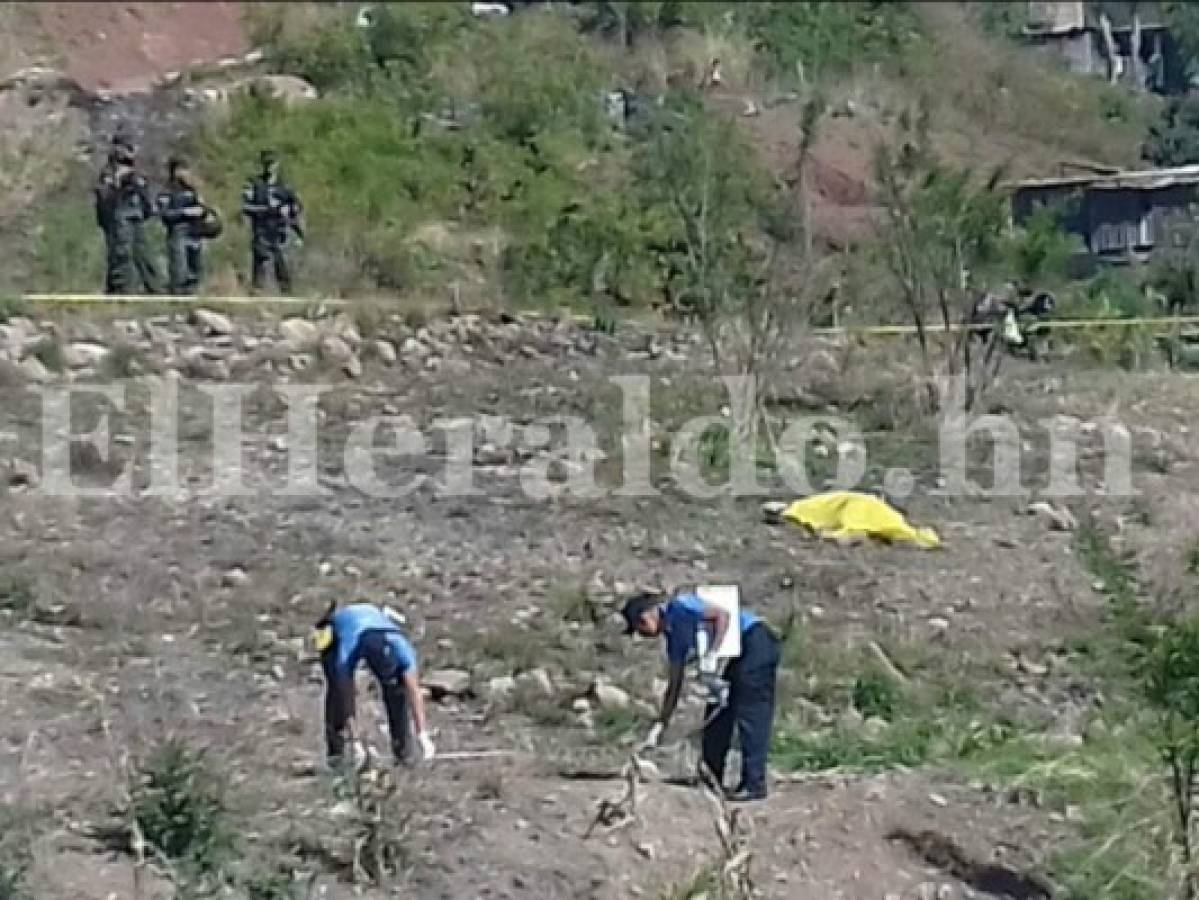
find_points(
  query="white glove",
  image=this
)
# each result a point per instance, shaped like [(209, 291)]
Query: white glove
[(708, 664), (652, 739), (427, 750)]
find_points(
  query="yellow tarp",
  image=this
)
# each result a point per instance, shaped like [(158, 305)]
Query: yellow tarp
[(850, 516)]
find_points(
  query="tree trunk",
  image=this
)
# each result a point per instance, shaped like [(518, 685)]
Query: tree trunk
[(1113, 53), (1138, 67)]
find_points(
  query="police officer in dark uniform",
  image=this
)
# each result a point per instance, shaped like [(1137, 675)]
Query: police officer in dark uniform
[(183, 214), (273, 210), (118, 259), (123, 206)]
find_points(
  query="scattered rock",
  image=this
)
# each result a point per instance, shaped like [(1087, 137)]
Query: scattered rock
[(352, 367), (536, 680), (1058, 518), (303, 768), (235, 577), (84, 353), (31, 367), (938, 624), (1028, 667), (344, 328), (22, 473), (213, 323), (299, 335), (443, 683), (609, 696), (335, 350), (875, 727), (501, 687), (386, 352), (290, 90)]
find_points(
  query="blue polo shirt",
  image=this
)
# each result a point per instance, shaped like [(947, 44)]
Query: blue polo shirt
[(350, 623), (683, 617)]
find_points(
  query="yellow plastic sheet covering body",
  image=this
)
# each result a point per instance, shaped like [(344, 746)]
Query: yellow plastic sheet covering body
[(848, 516)]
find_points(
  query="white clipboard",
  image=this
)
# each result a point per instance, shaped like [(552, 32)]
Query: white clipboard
[(728, 598)]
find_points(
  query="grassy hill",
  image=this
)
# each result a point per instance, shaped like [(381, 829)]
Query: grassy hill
[(472, 156)]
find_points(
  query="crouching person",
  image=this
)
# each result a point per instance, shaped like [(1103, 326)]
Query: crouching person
[(741, 698), (362, 632)]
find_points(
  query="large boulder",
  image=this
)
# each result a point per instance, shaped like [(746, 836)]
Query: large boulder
[(213, 323), (335, 350), (82, 354), (299, 335)]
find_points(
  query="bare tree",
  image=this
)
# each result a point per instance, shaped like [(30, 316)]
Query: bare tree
[(743, 262), (942, 225)]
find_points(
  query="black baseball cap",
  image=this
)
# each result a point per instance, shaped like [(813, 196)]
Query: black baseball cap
[(637, 606)]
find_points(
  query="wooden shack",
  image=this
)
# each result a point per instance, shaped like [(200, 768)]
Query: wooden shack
[(1121, 217)]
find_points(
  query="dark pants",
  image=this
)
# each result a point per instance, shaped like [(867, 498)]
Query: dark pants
[(185, 263), (118, 264), (264, 251), (340, 701), (127, 260), (751, 678), (147, 272)]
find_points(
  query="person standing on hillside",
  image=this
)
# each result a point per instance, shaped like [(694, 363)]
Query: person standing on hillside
[(188, 221), (118, 258), (364, 632), (743, 697), (273, 210), (123, 205)]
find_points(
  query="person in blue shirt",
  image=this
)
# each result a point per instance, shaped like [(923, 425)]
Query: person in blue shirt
[(694, 629), (362, 632)]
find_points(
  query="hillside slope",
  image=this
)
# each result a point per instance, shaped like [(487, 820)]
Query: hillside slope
[(993, 104)]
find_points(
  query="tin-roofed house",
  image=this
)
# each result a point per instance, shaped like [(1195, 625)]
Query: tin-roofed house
[(1128, 42), (1121, 217)]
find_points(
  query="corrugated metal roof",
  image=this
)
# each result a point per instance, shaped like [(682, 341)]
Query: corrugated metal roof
[(1141, 180), (1062, 18)]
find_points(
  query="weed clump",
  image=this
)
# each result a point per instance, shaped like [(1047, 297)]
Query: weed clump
[(178, 808)]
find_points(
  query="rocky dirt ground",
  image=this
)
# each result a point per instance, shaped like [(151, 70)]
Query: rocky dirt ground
[(129, 617)]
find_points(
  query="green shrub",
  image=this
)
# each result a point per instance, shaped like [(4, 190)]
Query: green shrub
[(269, 886), (178, 806), (1173, 140), (69, 248), (534, 86), (49, 352), (876, 695), (830, 37), (18, 593), (1041, 250), (11, 308), (331, 56), (18, 828)]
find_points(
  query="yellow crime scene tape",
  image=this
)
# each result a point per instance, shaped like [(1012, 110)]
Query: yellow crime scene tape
[(309, 302), (169, 300)]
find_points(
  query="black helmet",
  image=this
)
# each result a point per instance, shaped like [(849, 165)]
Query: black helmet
[(268, 158)]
